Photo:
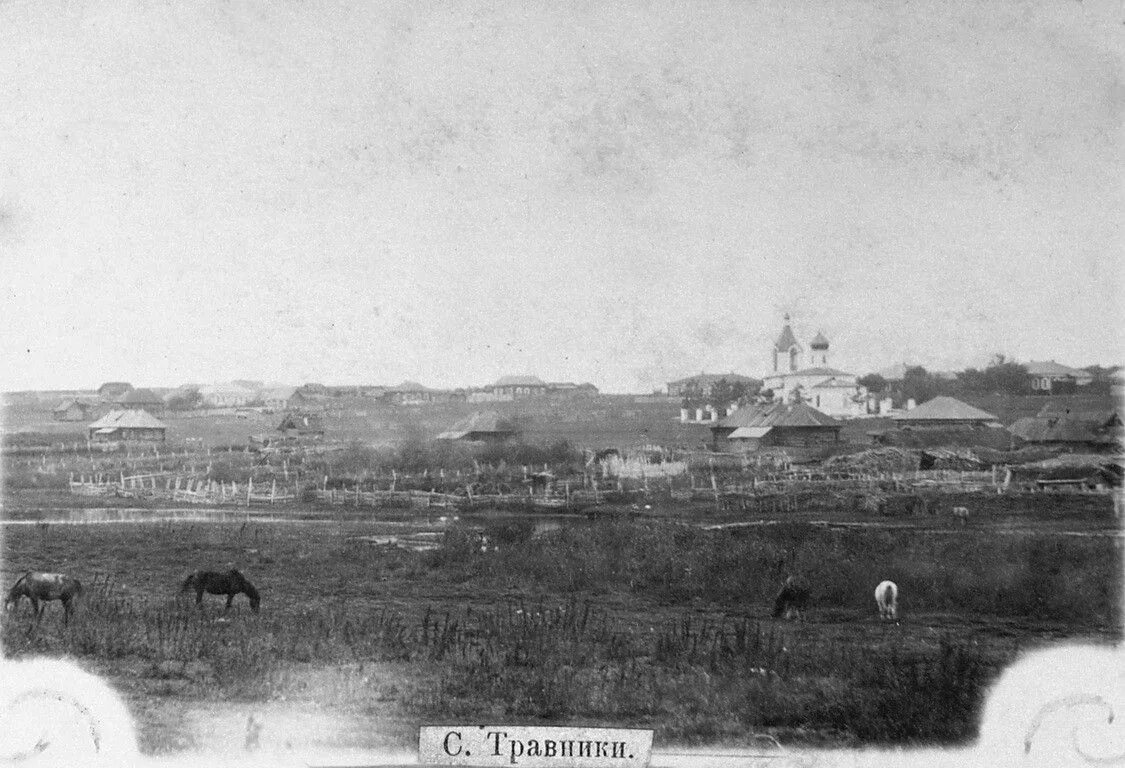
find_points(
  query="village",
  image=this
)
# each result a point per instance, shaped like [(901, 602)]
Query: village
[(802, 413), (551, 515)]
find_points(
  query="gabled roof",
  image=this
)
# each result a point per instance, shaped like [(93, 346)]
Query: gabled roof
[(1051, 368), (128, 420), (520, 381), (778, 415), (786, 339), (944, 408), (481, 422)]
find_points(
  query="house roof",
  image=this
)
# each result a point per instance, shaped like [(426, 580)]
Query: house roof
[(65, 405), (778, 415), (277, 393), (1100, 416), (833, 383), (409, 386), (1040, 429), (140, 397), (481, 422), (520, 381), (749, 432), (816, 371), (786, 339), (129, 420), (709, 378), (943, 408), (1051, 368)]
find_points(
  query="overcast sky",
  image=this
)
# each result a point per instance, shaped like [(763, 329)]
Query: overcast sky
[(621, 193)]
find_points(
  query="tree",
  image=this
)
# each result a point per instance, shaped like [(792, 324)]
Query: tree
[(1000, 376), (722, 394), (185, 400), (920, 385), (692, 395), (873, 382)]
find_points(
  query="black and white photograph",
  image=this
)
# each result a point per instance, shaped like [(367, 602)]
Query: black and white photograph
[(724, 383)]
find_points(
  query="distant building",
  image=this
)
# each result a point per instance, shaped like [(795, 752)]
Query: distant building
[(1048, 377), (481, 427), (567, 389), (282, 398), (74, 409), (830, 390), (705, 382), (304, 425), (775, 424), (112, 390), (517, 387), (413, 393), (226, 395), (141, 400), (944, 411), (1097, 430), (127, 426)]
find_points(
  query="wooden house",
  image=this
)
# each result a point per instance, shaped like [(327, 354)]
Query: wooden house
[(481, 427), (74, 409), (127, 426), (775, 424), (1080, 430)]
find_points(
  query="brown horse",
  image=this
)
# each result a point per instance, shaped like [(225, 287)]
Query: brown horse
[(37, 586), (230, 584)]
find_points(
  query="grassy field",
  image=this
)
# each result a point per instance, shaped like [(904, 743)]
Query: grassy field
[(651, 623)]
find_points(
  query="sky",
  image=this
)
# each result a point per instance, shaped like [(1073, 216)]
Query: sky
[(621, 193)]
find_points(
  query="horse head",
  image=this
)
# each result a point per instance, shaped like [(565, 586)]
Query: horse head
[(18, 590), (247, 588)]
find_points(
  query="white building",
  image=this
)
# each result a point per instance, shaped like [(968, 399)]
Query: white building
[(226, 395), (827, 389)]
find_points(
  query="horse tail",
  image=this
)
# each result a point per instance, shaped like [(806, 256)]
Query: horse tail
[(781, 601)]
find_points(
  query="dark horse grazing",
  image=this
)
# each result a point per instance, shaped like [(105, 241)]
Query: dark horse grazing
[(791, 598), (36, 586), (213, 583)]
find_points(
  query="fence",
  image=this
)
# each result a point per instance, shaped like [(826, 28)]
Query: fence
[(173, 487)]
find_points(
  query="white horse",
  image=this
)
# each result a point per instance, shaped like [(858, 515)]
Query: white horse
[(962, 515), (886, 597)]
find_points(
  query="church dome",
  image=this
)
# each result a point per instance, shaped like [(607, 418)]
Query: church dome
[(819, 342)]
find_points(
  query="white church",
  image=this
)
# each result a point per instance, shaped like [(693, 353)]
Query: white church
[(813, 381)]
